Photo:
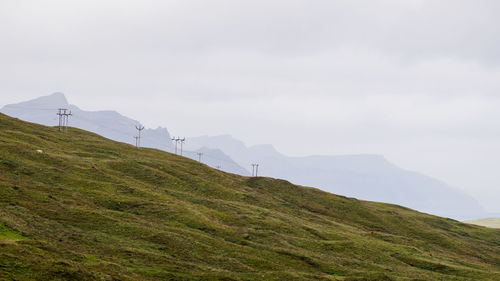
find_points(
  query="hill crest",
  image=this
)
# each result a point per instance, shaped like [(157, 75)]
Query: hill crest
[(88, 208)]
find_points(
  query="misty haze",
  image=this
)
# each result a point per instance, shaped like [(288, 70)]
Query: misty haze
[(249, 140)]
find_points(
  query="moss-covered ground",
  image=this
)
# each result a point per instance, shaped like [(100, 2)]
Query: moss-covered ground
[(88, 208)]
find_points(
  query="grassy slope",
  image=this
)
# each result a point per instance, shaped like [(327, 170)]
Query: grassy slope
[(93, 209), (489, 222)]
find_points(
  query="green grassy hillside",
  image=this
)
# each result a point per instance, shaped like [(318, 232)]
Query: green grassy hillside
[(88, 208)]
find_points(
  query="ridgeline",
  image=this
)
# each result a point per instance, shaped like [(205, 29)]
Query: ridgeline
[(77, 206)]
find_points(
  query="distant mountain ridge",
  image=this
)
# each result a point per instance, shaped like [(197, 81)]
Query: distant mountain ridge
[(216, 158), (364, 176), (109, 124), (367, 177)]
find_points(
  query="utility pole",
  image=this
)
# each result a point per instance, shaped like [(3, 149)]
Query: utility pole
[(66, 117), (255, 170), (182, 142), (177, 140), (199, 156), (174, 139), (63, 118), (138, 140), (59, 113)]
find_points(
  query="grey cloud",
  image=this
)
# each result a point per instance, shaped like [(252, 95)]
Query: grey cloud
[(410, 29)]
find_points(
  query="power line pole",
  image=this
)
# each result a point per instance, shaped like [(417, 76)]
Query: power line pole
[(138, 140), (59, 113), (177, 140), (174, 139), (66, 119), (255, 170), (199, 156), (182, 142), (63, 118)]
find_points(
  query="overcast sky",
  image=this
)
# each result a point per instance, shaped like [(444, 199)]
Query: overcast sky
[(415, 81)]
